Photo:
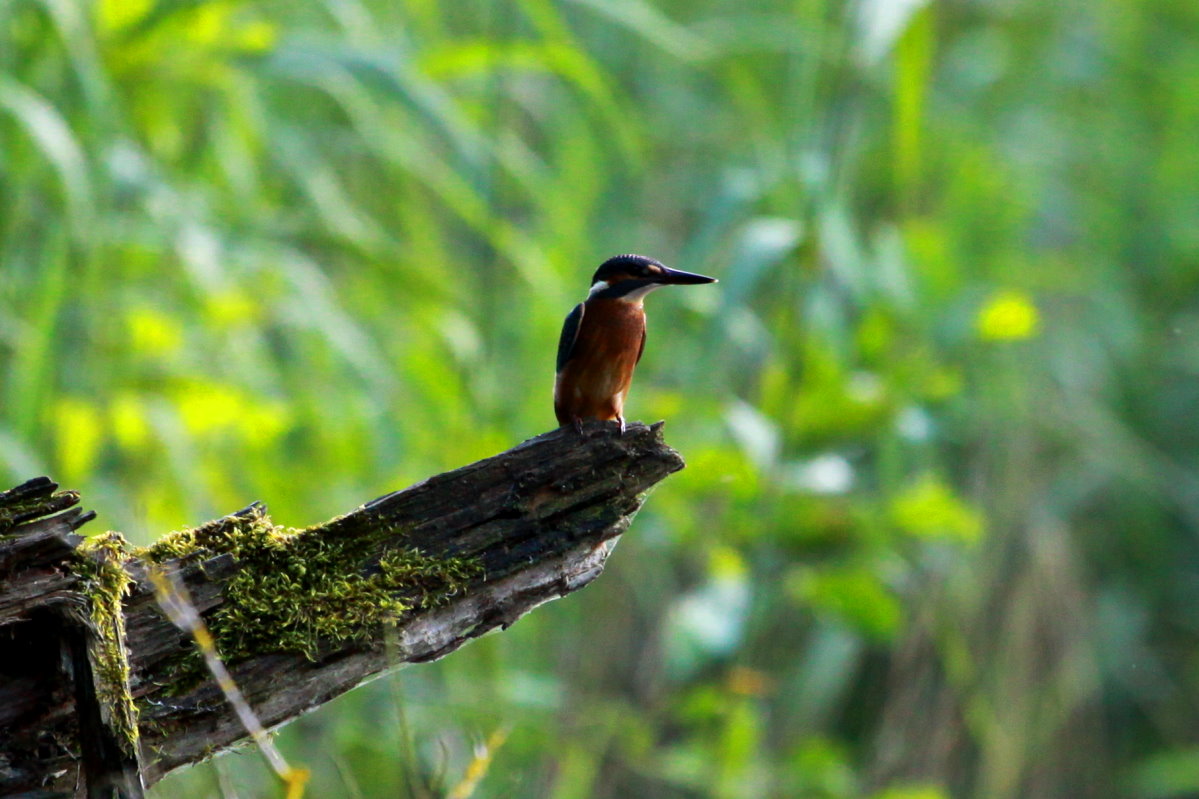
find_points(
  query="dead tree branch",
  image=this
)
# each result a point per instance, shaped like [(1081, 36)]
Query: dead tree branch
[(446, 560)]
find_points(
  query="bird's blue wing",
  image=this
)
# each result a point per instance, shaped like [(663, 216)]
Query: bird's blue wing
[(570, 334)]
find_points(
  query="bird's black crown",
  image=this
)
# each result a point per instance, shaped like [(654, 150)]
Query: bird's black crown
[(628, 265)]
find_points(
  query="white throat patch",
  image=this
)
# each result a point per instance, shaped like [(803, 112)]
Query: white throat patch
[(634, 295), (637, 295)]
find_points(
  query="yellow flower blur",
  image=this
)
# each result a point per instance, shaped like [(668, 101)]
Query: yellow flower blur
[(1008, 316), (153, 333), (229, 309), (929, 509), (127, 416), (80, 434), (210, 409)]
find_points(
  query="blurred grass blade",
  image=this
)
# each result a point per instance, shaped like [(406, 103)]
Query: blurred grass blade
[(48, 129)]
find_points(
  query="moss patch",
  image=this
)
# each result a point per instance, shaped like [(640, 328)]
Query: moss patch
[(105, 583), (17, 511), (11, 514), (297, 591)]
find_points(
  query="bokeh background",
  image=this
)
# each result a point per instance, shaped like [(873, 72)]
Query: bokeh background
[(938, 532)]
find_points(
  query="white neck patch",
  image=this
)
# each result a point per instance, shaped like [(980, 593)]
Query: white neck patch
[(638, 294), (635, 295)]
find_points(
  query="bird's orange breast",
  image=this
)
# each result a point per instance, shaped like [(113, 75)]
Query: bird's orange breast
[(594, 382)]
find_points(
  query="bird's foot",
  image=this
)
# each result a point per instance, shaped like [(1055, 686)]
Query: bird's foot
[(621, 420), (578, 425)]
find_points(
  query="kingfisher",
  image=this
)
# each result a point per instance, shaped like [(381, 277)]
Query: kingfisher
[(604, 336)]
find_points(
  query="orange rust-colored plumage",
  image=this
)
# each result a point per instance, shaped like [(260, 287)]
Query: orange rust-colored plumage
[(594, 382), (603, 337)]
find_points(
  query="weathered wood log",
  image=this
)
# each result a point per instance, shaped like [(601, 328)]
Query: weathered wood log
[(46, 647), (302, 616)]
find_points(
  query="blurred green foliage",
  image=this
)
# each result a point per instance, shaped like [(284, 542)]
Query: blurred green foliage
[(938, 532)]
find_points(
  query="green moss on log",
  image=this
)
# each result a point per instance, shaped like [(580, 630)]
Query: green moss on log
[(100, 564), (298, 591)]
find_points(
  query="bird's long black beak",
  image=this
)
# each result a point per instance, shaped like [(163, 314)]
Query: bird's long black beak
[(679, 277)]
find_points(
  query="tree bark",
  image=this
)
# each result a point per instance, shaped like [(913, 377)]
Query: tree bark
[(533, 524)]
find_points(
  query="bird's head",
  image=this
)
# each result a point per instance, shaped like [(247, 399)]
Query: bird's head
[(631, 277)]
